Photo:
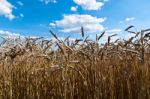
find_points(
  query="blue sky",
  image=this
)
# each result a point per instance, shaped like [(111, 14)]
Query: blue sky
[(65, 17)]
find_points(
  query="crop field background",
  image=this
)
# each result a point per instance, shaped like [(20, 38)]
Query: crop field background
[(38, 68)]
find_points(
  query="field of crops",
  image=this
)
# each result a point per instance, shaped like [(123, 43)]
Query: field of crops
[(37, 68)]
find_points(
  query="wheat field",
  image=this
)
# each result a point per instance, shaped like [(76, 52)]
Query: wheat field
[(37, 68)]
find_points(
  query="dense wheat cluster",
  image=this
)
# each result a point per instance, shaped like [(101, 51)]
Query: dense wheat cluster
[(35, 68)]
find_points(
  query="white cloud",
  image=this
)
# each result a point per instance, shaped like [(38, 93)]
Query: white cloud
[(106, 0), (61, 38), (113, 31), (120, 35), (52, 24), (49, 1), (74, 8), (6, 9), (89, 4), (20, 3), (130, 19), (120, 21), (9, 34), (21, 15), (72, 23)]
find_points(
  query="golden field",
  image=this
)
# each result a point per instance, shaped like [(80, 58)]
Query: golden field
[(35, 68)]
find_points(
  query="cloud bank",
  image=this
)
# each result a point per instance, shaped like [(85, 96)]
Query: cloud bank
[(73, 22)]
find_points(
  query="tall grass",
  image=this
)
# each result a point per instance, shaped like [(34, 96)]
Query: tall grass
[(36, 68)]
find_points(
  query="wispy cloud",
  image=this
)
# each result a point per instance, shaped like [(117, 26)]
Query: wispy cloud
[(49, 1), (106, 0), (72, 23), (113, 31), (20, 3), (130, 19), (6, 9), (21, 15), (89, 4)]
